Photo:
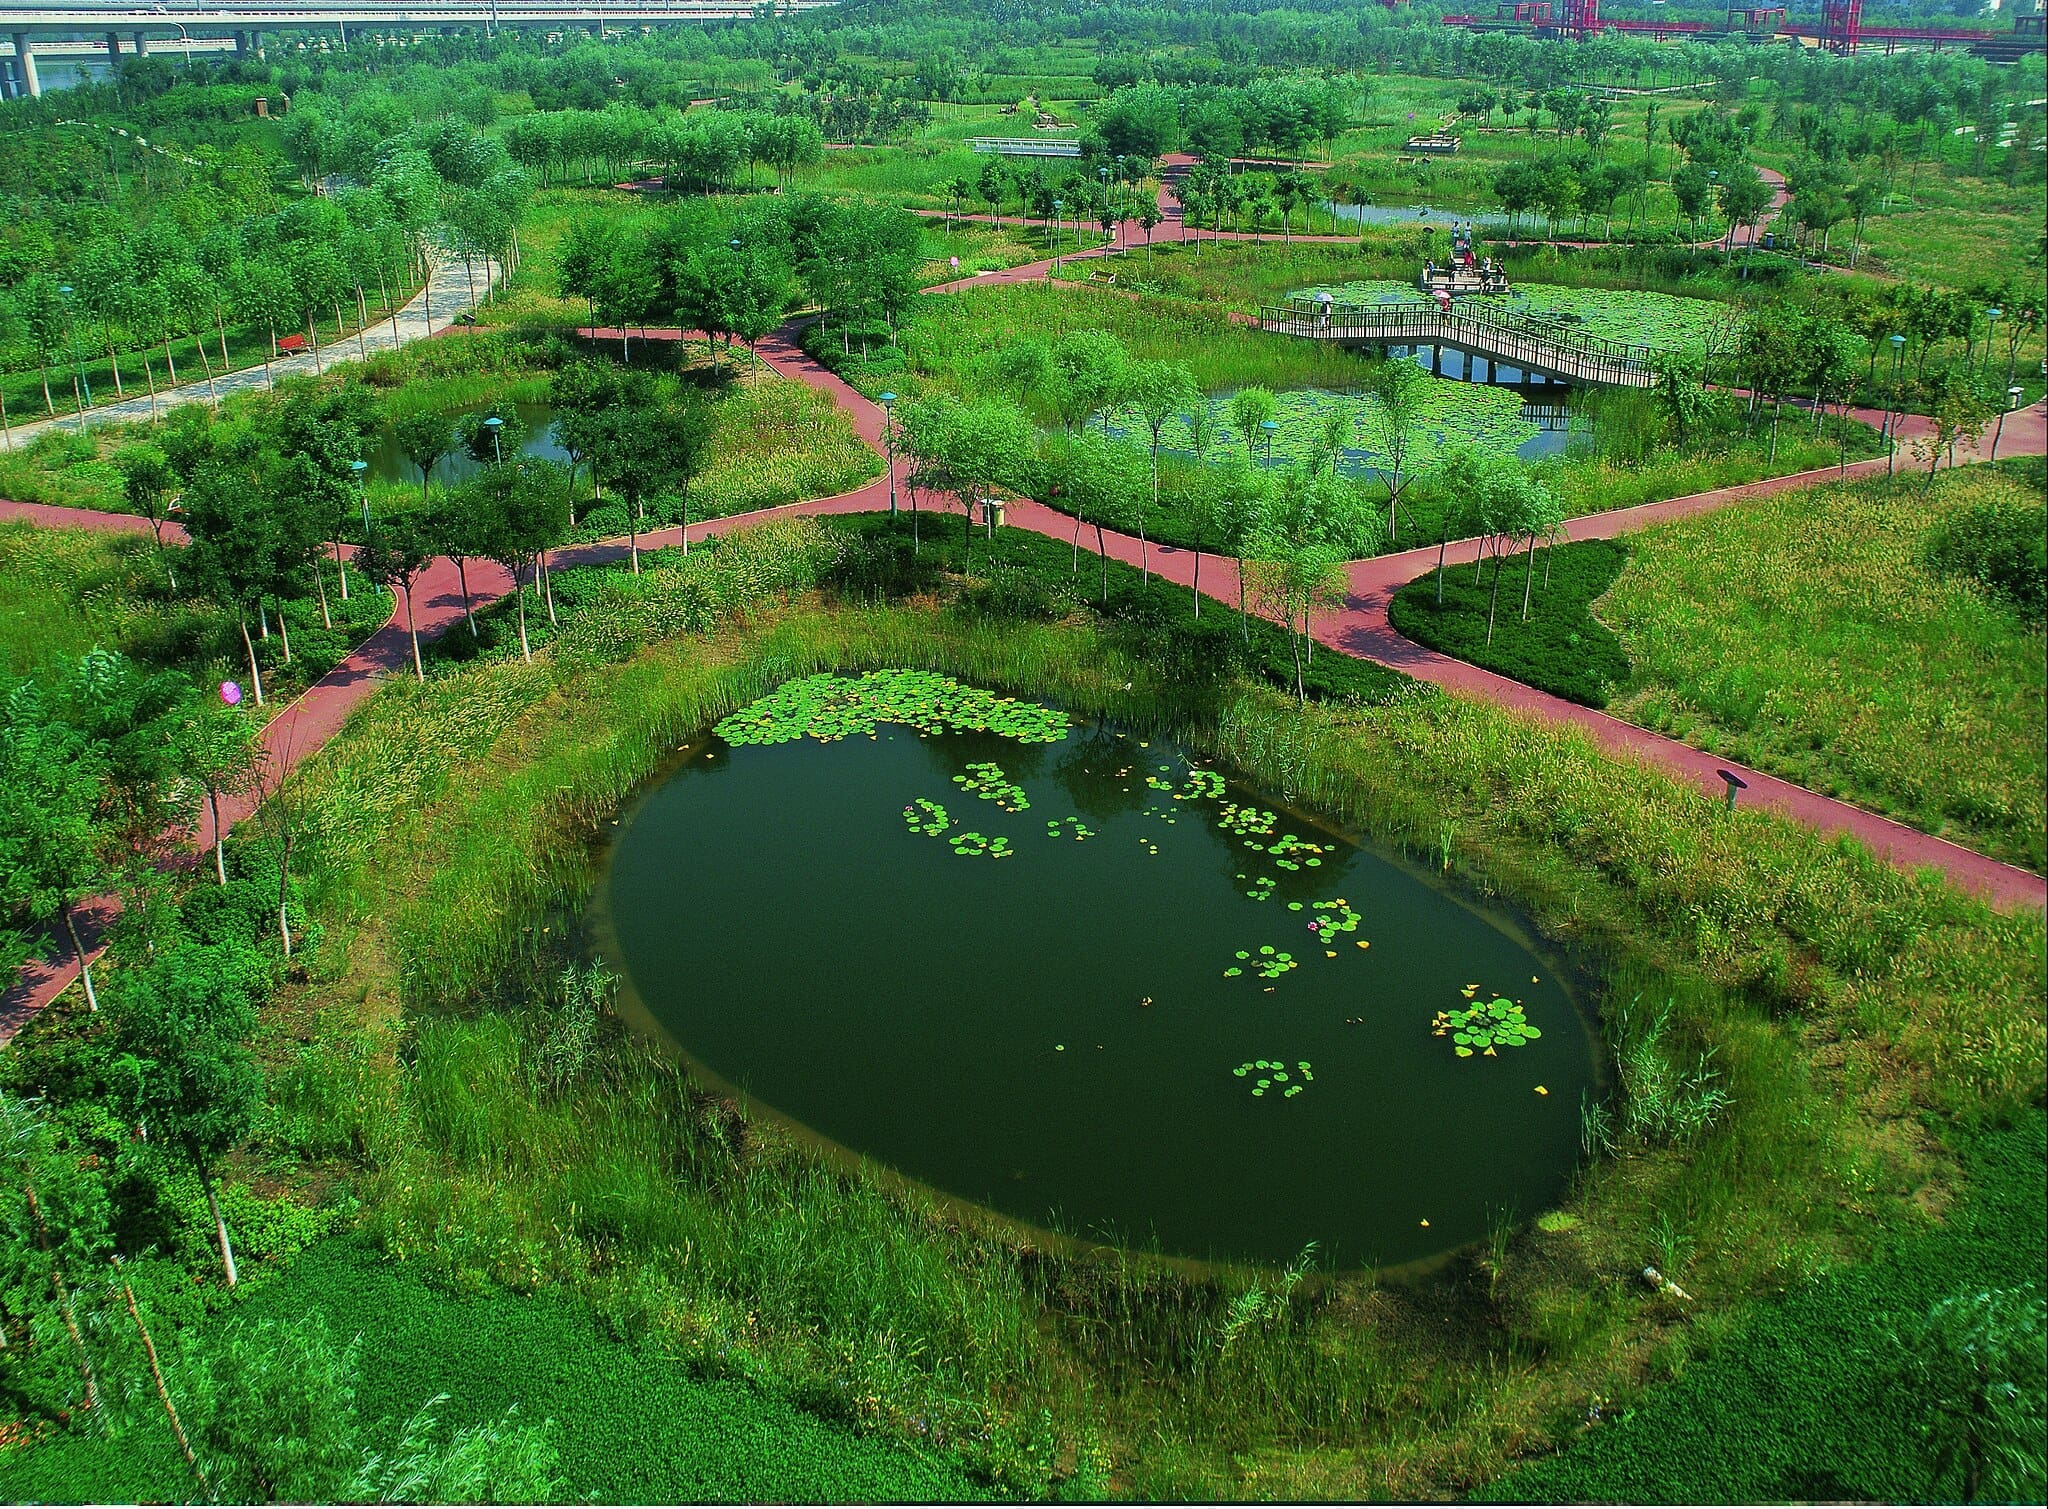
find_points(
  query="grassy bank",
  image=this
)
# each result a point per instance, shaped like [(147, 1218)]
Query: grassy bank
[(477, 793), (420, 1068), (1804, 634)]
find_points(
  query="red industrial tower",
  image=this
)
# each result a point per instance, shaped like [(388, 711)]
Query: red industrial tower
[(1581, 18), (1841, 25)]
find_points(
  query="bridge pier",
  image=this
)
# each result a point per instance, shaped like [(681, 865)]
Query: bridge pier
[(25, 67), (141, 41), (6, 79)]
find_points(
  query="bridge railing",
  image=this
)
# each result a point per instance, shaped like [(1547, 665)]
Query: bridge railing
[(1515, 340)]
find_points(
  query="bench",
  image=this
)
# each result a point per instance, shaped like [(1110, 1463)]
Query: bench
[(1102, 277)]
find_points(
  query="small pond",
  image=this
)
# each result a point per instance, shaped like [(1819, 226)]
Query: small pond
[(388, 464), (1089, 981)]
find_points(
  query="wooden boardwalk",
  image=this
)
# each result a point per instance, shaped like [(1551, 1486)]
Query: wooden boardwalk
[(1504, 340)]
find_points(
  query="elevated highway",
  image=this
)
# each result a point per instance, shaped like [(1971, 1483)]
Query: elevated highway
[(118, 28)]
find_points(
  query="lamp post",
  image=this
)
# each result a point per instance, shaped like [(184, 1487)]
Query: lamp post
[(1898, 345), (1057, 206), (358, 468), (888, 402), (1271, 429), (497, 428), (1991, 318), (2012, 401)]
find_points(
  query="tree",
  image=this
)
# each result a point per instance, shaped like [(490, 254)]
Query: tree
[(395, 554), (181, 1026), (1395, 400), (1160, 391), (1744, 198), (52, 779), (214, 746), (1463, 478), (1296, 562), (423, 439), (1957, 411), (147, 483), (1094, 366), (237, 546), (1250, 408), (1203, 506)]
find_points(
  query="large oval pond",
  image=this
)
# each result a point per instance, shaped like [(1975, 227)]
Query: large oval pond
[(1084, 979)]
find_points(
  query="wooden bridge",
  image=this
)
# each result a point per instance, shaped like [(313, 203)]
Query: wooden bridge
[(1504, 340)]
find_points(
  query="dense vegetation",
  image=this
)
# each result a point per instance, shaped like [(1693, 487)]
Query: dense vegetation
[(353, 1179)]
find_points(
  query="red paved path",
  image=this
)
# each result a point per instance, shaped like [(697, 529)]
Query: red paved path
[(1360, 628)]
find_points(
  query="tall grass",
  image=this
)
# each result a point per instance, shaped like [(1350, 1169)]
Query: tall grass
[(1805, 634), (454, 824)]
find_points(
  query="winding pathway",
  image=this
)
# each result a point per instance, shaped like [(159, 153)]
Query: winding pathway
[(1360, 628)]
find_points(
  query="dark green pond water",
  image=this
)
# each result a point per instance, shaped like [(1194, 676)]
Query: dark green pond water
[(1053, 1034)]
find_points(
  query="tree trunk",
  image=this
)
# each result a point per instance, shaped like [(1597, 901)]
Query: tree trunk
[(1494, 597), (220, 1225), (519, 595), (114, 361), (284, 634), (255, 671), (320, 589), (1443, 549), (462, 576), (163, 1392), (92, 1000), (412, 630), (1529, 578), (220, 857), (170, 360)]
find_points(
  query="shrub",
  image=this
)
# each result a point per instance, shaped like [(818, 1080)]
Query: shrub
[(2000, 546)]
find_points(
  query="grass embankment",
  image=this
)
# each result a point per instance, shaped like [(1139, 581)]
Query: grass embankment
[(450, 828), (1805, 634)]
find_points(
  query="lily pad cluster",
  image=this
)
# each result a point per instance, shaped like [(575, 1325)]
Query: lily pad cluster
[(1064, 827), (1274, 1074), (973, 845), (1332, 918), (1200, 786), (1269, 963), (1485, 1027), (986, 780), (828, 706), (1261, 887), (1245, 821), (1291, 852), (927, 817)]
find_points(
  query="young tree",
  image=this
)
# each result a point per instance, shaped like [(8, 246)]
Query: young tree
[(1161, 392), (1295, 563), (214, 747), (423, 439), (147, 483), (1250, 408), (1094, 366), (181, 1025), (52, 781), (236, 549), (395, 555), (1396, 398)]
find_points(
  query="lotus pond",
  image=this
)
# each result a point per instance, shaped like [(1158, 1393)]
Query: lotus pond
[(1089, 981), (1503, 420), (387, 463)]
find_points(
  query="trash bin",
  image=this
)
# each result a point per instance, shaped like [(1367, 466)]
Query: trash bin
[(1770, 241), (992, 510)]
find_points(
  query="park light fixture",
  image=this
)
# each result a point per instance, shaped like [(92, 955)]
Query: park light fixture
[(497, 428), (1890, 430), (363, 492), (1057, 206), (888, 403), (1735, 783), (1271, 430)]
